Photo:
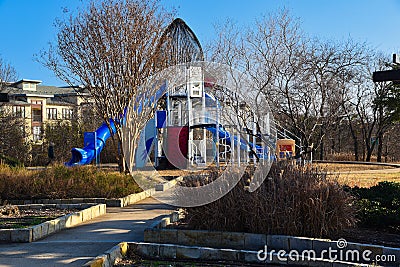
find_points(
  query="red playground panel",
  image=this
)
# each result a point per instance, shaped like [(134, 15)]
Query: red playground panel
[(177, 146)]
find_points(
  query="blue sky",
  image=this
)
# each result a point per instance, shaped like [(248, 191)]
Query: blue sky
[(26, 26)]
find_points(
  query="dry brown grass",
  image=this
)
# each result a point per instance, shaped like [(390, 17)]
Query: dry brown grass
[(368, 179), (62, 182), (293, 200), (361, 175), (337, 167)]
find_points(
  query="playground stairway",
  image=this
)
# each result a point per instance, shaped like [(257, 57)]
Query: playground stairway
[(76, 246)]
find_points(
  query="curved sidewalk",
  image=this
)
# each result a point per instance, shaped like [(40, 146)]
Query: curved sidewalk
[(76, 246)]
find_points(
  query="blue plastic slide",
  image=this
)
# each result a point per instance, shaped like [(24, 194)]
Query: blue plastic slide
[(82, 156), (222, 133)]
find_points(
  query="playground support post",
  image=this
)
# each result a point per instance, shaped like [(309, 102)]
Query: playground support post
[(254, 132), (190, 117), (156, 142), (238, 148), (203, 118), (217, 137), (248, 147), (233, 151)]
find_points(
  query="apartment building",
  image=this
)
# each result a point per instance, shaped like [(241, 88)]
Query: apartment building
[(39, 105)]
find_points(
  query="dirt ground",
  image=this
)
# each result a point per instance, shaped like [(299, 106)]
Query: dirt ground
[(133, 259), (371, 236)]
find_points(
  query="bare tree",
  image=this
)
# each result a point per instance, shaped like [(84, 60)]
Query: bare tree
[(305, 80), (111, 49), (375, 107), (12, 131), (7, 74), (332, 67), (13, 142), (64, 134)]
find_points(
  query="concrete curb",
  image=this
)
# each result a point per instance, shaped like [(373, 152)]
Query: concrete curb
[(168, 185), (157, 233), (173, 217), (44, 229), (118, 202), (180, 252), (131, 199), (108, 258)]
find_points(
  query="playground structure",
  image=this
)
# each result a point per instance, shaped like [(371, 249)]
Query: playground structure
[(196, 129), (199, 121), (192, 128), (196, 125)]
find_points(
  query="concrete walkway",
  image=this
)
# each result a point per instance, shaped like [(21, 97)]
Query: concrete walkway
[(75, 246)]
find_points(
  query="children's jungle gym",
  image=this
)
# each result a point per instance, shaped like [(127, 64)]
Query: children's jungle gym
[(200, 120)]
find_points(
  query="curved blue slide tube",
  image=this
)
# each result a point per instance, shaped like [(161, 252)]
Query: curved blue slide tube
[(243, 144), (82, 156)]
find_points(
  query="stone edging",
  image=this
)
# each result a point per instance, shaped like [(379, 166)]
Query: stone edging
[(118, 202), (131, 199), (180, 252), (157, 233), (44, 229), (169, 184), (109, 257)]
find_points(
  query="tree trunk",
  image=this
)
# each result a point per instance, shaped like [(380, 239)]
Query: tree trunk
[(121, 156), (370, 149), (380, 147), (355, 142), (355, 147), (121, 162), (321, 152), (369, 153)]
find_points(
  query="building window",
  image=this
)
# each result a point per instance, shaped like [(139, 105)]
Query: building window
[(29, 86), (67, 113), (37, 115), (18, 111), (51, 113), (36, 102), (37, 133)]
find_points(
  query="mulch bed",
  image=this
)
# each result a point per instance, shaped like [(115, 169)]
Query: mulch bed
[(133, 259), (19, 218), (382, 237)]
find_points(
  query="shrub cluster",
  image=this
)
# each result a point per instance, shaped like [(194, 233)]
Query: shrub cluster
[(379, 205), (7, 160), (62, 182), (293, 200)]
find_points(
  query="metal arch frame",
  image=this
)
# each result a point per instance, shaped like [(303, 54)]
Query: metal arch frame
[(179, 39)]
